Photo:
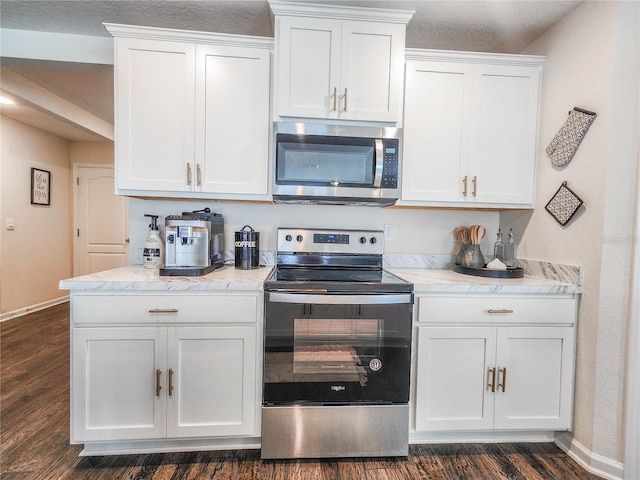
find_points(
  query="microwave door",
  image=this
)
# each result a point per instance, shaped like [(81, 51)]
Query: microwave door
[(329, 165)]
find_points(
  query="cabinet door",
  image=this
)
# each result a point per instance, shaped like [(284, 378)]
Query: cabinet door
[(213, 381), (371, 72), (154, 114), (114, 392), (436, 112), (503, 136), (538, 389), (232, 112), (452, 378), (307, 70)]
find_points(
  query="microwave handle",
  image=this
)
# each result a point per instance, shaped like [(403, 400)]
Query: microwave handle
[(377, 179)]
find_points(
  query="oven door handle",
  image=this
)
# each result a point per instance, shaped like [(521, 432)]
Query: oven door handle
[(340, 299)]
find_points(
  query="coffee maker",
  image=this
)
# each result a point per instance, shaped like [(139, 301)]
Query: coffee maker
[(194, 243)]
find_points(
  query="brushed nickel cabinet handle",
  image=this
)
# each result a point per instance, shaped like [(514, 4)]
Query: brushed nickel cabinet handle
[(492, 385), (475, 185), (198, 175), (464, 186), (163, 310), (170, 382), (502, 385), (345, 99), (335, 98), (158, 386), (188, 174), (500, 310)]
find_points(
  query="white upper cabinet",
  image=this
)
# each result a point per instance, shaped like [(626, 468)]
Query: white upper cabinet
[(339, 63), (192, 114), (155, 82), (470, 129), (232, 120)]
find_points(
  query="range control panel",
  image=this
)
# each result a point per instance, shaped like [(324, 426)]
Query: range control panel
[(301, 240)]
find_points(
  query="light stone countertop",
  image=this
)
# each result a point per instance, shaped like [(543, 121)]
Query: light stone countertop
[(447, 281), (138, 278)]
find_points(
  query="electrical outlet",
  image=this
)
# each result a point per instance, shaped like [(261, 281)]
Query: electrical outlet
[(389, 231)]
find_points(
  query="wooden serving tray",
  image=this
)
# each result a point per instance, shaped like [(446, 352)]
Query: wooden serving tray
[(517, 272)]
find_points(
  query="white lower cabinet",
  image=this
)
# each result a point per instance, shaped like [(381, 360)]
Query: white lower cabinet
[(506, 375), (151, 382)]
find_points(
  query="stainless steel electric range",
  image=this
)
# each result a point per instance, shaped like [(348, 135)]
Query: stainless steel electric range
[(337, 348)]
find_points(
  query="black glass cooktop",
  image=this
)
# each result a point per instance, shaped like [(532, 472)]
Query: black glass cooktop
[(336, 279)]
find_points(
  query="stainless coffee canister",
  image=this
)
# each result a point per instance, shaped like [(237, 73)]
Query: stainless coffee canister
[(247, 248)]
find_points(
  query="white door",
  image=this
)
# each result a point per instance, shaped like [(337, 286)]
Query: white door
[(371, 72), (232, 127), (213, 381), (155, 84), (535, 377), (436, 112), (308, 69), (101, 220), (453, 380), (503, 137), (118, 379)]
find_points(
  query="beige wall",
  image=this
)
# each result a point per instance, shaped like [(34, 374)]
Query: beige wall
[(91, 152), (592, 62), (37, 254)]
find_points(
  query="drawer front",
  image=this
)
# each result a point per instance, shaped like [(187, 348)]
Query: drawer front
[(94, 309), (497, 309)]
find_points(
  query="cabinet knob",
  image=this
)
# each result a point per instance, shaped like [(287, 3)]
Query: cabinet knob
[(163, 310), (335, 98), (464, 186), (475, 185), (345, 99), (500, 310), (188, 174)]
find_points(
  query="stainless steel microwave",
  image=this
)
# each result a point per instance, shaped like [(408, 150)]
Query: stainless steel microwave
[(333, 164)]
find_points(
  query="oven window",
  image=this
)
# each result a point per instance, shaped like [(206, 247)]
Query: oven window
[(336, 347), (336, 353)]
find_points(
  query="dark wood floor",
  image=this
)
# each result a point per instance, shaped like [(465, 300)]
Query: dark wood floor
[(35, 434)]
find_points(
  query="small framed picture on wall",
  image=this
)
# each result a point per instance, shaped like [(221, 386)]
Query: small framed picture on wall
[(40, 187)]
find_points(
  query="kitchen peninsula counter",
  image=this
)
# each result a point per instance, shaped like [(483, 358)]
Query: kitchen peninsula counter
[(137, 278)]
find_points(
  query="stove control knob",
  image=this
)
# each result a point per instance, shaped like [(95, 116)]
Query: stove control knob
[(288, 238), (363, 240), (373, 240), (299, 238)]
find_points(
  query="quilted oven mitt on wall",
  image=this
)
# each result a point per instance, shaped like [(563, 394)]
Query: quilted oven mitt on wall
[(564, 145)]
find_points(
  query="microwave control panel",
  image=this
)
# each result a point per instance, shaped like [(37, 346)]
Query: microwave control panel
[(390, 163)]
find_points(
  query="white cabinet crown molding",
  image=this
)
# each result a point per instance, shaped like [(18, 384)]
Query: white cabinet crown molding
[(473, 57), (341, 12), (190, 36)]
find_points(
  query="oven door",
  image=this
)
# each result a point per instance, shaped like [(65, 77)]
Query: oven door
[(337, 349)]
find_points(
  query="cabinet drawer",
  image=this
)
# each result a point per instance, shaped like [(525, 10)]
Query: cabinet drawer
[(497, 308), (164, 308)]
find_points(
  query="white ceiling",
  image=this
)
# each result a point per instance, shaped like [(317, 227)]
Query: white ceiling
[(473, 25)]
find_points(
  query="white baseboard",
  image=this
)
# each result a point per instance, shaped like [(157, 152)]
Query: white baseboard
[(592, 462), (33, 308)]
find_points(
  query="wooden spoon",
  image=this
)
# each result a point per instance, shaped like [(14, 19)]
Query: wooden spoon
[(481, 232)]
